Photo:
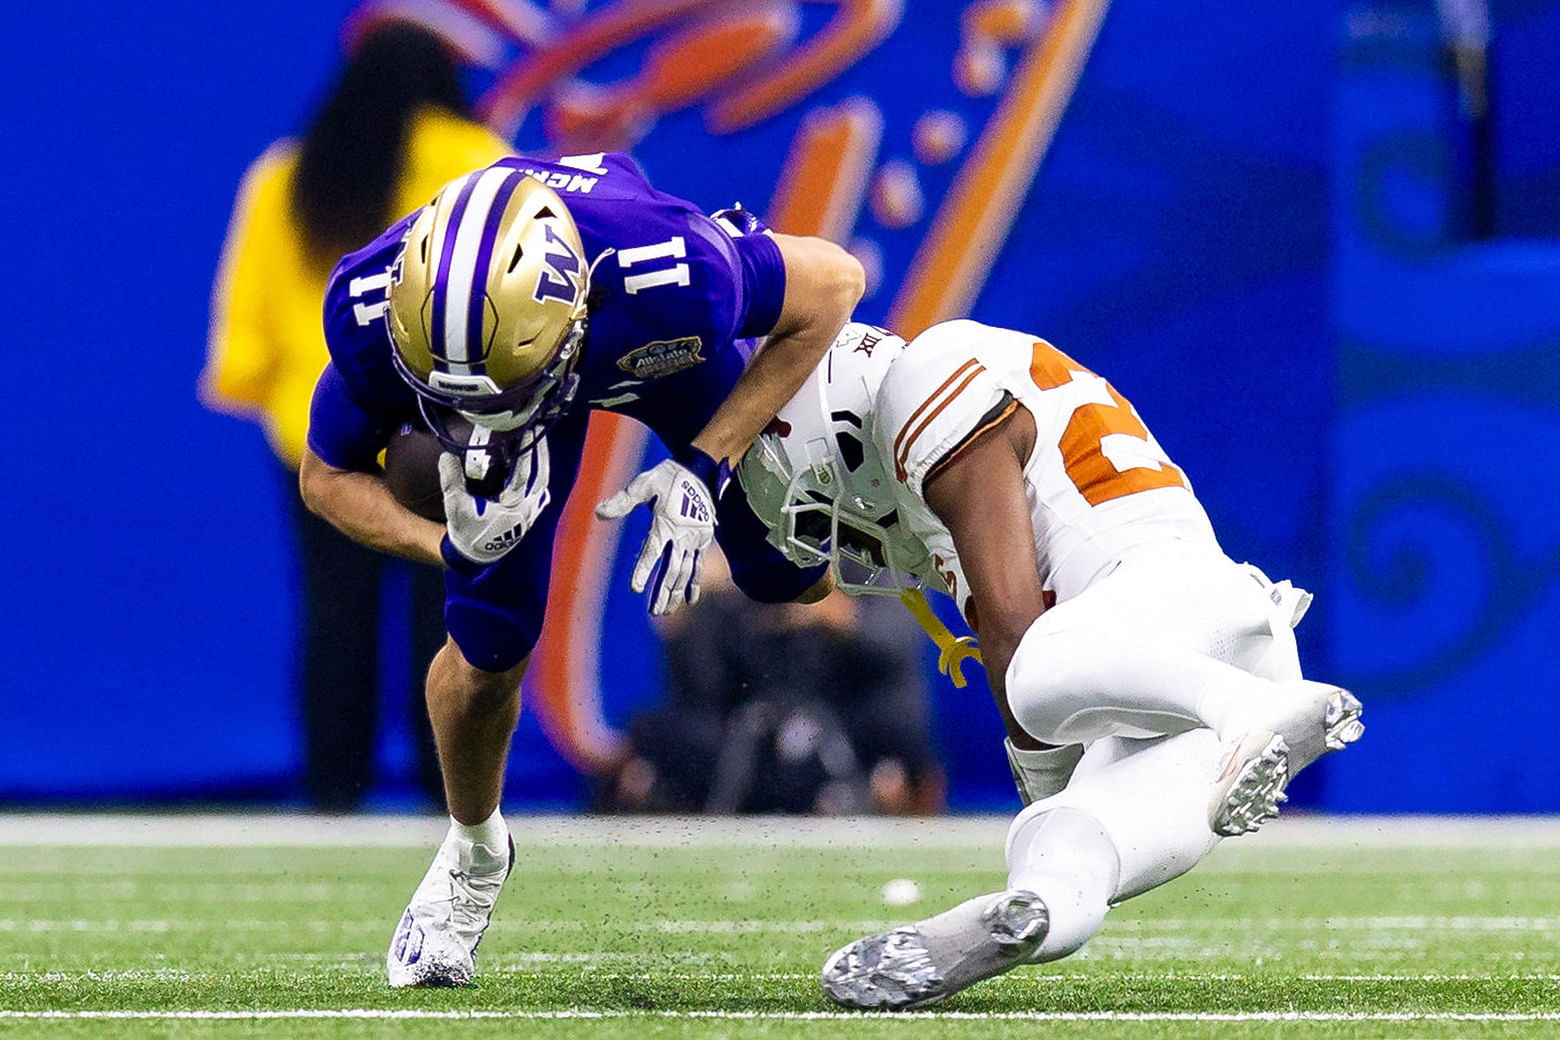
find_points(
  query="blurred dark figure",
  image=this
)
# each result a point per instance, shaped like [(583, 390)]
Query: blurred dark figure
[(394, 128), (785, 709), (1465, 27)]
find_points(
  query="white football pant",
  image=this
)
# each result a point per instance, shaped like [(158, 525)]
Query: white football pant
[(1134, 816), (1176, 637)]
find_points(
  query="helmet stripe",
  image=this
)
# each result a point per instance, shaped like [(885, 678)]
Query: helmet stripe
[(441, 277), (458, 278), (476, 310)]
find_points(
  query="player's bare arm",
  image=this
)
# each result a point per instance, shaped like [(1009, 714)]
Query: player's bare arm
[(978, 493), (823, 284), (362, 507)]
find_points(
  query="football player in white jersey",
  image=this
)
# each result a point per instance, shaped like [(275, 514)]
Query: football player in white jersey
[(1150, 685)]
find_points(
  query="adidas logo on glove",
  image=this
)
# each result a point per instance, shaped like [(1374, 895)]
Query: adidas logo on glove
[(693, 505), (506, 541)]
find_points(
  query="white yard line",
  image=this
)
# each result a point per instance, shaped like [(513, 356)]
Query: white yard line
[(585, 970), (303, 830), (983, 832), (1191, 928), (793, 1016)]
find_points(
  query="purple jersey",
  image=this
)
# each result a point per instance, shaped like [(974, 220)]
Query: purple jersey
[(673, 298)]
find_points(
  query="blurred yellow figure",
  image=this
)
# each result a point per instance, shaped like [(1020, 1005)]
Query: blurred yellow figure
[(393, 130)]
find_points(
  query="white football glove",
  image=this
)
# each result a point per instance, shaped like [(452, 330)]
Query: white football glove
[(682, 526), (480, 531)]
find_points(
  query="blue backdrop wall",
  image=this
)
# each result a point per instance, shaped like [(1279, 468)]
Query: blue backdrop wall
[(1442, 504), (1189, 233)]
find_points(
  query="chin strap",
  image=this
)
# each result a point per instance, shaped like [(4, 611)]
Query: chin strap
[(952, 649)]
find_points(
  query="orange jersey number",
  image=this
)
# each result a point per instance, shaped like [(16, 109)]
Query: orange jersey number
[(1105, 448)]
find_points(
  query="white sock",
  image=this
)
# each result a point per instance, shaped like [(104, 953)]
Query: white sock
[(1151, 799), (1230, 695), (490, 841), (1065, 857)]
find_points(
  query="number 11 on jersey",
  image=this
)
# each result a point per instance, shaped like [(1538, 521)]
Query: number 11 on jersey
[(675, 274)]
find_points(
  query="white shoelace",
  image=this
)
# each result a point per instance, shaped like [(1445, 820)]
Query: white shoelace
[(470, 901)]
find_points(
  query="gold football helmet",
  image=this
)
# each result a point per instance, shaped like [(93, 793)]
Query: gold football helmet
[(487, 305)]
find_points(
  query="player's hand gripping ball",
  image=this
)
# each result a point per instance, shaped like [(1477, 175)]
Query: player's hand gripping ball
[(480, 531), (412, 468), (412, 471)]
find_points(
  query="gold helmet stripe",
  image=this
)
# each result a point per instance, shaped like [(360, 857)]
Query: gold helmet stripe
[(465, 287)]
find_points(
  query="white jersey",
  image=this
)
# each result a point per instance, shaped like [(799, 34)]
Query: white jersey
[(1098, 483)]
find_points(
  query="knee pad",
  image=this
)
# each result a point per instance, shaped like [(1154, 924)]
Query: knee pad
[(493, 640), (1150, 797), (758, 569), (775, 581), (1049, 837)]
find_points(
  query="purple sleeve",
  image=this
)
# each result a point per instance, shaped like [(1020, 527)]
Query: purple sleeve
[(763, 283), (342, 432), (359, 400)]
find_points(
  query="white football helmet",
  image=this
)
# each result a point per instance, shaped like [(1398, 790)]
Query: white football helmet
[(814, 476)]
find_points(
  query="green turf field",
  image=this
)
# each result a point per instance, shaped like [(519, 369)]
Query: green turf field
[(664, 929)]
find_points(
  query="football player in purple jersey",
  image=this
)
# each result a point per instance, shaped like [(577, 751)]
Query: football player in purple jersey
[(524, 295)]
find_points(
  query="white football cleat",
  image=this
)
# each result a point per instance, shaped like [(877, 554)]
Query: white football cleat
[(1318, 718), (1313, 718), (436, 942), (1250, 784), (935, 958), (1306, 721)]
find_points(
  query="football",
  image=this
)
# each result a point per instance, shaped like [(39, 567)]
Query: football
[(412, 471)]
